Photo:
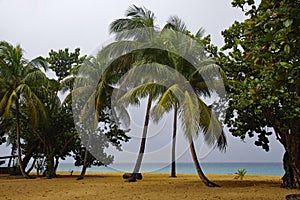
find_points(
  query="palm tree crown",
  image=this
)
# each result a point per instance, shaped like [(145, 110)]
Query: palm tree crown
[(21, 85)]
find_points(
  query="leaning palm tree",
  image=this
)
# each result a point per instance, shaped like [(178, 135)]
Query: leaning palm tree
[(140, 82), (21, 82), (91, 97), (86, 102), (186, 108), (168, 100)]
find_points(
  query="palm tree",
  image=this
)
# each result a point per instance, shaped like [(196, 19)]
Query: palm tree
[(176, 24), (138, 18), (133, 25), (186, 109), (20, 84), (86, 93), (168, 99), (91, 97)]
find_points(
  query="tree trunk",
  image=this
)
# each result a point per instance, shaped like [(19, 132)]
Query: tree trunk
[(291, 161), (19, 140), (56, 164), (203, 178), (27, 157), (173, 167), (143, 143), (84, 165), (50, 163)]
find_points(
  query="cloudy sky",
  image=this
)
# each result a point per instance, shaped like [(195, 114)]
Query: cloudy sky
[(42, 25)]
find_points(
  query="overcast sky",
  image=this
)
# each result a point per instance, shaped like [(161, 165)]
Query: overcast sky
[(42, 25)]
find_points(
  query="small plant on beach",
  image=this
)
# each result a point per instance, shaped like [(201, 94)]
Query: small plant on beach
[(240, 174)]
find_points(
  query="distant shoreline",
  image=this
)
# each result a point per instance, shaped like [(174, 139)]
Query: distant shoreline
[(275, 169)]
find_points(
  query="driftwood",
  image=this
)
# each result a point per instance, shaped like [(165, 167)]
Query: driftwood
[(293, 197), (128, 175)]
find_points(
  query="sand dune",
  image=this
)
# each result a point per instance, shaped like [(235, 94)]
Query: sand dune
[(153, 186)]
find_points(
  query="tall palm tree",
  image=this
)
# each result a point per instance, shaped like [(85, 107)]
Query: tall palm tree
[(176, 24), (21, 82), (86, 102), (167, 99), (141, 82), (133, 26), (91, 97)]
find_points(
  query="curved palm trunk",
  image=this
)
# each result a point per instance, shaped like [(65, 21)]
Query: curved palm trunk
[(203, 178), (19, 141), (143, 143), (173, 167)]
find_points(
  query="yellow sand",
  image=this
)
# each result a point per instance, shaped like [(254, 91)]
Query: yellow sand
[(153, 186)]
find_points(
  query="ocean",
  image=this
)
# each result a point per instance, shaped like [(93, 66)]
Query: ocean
[(187, 168)]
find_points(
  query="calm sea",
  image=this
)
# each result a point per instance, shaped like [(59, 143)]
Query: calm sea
[(187, 168)]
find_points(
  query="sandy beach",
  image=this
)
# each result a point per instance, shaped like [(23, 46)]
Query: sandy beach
[(153, 186)]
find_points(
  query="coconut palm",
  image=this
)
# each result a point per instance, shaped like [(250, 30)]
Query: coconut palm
[(133, 26), (84, 93), (91, 98), (21, 82), (202, 65), (213, 134), (176, 24), (138, 17)]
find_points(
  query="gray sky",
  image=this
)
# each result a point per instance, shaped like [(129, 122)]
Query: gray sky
[(42, 25)]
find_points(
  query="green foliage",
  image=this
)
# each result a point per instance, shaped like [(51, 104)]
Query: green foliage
[(261, 60), (63, 62), (262, 65), (22, 84), (91, 149), (240, 174)]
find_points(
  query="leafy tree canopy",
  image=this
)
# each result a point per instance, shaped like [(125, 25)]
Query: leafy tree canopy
[(261, 60)]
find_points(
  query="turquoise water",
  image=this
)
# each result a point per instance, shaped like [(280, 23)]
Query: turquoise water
[(187, 168)]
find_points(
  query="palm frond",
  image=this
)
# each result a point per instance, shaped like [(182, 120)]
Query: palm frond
[(121, 114), (133, 26), (141, 91), (67, 84), (141, 12), (200, 33), (3, 102), (189, 114), (35, 77), (10, 102), (38, 63), (175, 23), (211, 127)]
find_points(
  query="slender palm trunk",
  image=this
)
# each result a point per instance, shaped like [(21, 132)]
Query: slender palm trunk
[(56, 164), (19, 141), (143, 143), (173, 167), (203, 178), (84, 165)]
